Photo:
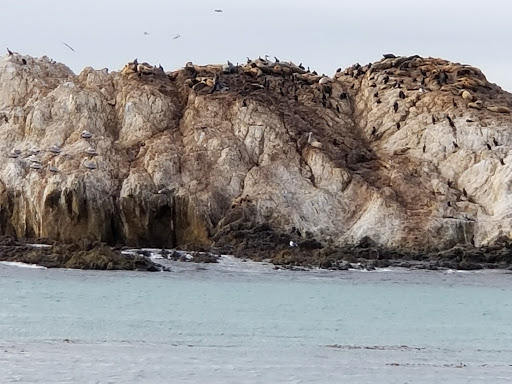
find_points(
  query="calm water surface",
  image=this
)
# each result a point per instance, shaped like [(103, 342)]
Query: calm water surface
[(246, 323)]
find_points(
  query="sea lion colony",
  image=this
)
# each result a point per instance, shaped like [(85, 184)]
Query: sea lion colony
[(403, 81), (405, 73)]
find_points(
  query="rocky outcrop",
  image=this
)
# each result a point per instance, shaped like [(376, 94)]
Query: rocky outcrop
[(81, 255), (411, 152)]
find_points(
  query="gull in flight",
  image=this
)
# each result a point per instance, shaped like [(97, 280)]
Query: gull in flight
[(69, 46), (176, 37), (146, 33), (218, 10)]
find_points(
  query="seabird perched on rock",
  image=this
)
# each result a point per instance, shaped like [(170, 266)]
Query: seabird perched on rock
[(276, 59), (464, 192), (33, 151), (14, 155), (91, 151), (52, 169), (395, 107), (228, 68), (55, 149), (293, 244), (36, 165), (89, 165), (9, 52), (389, 56), (86, 134), (488, 146), (34, 159), (495, 142), (313, 141)]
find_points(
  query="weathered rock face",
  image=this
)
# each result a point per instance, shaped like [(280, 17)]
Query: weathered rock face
[(412, 152)]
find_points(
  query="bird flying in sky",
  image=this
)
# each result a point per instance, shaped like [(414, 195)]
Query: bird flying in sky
[(69, 46), (218, 10), (176, 37)]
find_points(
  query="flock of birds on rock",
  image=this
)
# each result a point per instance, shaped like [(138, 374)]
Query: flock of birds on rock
[(35, 161)]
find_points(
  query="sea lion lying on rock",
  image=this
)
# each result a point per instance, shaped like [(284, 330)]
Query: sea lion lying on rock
[(499, 109), (476, 105)]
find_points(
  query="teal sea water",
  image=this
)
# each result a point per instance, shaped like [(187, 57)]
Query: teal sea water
[(241, 322)]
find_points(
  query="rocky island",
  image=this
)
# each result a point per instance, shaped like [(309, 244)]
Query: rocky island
[(404, 162)]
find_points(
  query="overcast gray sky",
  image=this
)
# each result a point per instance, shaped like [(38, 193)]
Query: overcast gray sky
[(322, 34)]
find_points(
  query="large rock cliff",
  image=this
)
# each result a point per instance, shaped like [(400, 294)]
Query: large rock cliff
[(411, 152)]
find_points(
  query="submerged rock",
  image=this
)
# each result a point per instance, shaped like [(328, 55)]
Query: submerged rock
[(252, 158)]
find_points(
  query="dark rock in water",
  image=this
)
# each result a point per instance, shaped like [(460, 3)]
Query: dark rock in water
[(468, 266), (144, 253), (383, 263), (82, 255), (344, 266), (204, 258)]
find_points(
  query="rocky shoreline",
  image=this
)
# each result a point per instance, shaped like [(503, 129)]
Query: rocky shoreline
[(289, 252), (81, 255), (260, 245)]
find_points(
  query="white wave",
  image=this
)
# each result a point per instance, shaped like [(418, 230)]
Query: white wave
[(22, 265), (39, 245)]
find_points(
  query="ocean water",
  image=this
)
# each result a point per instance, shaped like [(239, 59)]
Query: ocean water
[(243, 322)]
